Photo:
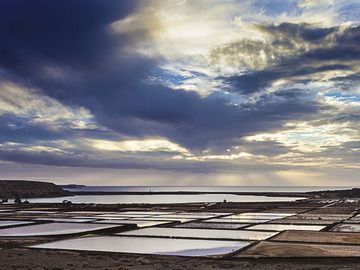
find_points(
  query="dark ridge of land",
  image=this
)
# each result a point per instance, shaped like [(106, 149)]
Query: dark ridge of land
[(72, 186), (335, 194), (30, 189)]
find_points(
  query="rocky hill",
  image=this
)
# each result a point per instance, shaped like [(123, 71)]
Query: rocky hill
[(30, 189)]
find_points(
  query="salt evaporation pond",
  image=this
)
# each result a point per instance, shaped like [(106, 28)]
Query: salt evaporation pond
[(122, 216), (237, 220), (139, 223), (200, 233), (4, 223), (254, 215), (284, 227), (181, 216), (54, 228), (132, 213), (166, 218), (140, 245), (211, 225), (55, 219)]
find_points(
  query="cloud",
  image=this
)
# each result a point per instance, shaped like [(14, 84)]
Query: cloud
[(310, 53), (128, 84), (41, 110), (116, 93)]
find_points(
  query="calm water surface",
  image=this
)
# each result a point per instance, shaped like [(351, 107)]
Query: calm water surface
[(190, 198), (155, 199), (204, 188)]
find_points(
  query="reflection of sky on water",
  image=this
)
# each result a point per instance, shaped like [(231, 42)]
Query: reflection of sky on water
[(184, 247), (200, 233), (199, 198), (53, 228)]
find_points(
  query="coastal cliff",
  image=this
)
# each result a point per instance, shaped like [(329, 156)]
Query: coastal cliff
[(30, 189)]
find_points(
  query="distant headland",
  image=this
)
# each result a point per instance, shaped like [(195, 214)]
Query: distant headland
[(30, 189)]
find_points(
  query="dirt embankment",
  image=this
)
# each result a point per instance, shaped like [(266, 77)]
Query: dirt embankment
[(30, 189)]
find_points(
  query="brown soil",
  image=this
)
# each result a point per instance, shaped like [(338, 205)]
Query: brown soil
[(56, 260)]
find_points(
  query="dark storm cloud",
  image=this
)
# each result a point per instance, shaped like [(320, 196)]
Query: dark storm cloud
[(331, 49), (64, 31), (255, 81), (66, 50), (292, 33), (266, 148), (86, 160)]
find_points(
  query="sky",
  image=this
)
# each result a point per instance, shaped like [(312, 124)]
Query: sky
[(176, 92)]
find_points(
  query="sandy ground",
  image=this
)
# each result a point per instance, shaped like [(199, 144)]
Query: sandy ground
[(56, 260), (319, 237)]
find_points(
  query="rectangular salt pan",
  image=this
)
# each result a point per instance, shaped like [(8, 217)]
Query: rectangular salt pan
[(258, 216), (160, 246), (200, 233), (121, 216), (284, 227), (229, 220), (77, 220), (89, 213), (267, 214), (211, 225), (4, 223), (158, 218), (139, 223), (54, 228), (35, 212), (181, 216), (107, 217), (203, 213), (146, 213)]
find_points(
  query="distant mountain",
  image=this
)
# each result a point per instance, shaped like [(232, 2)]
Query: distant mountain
[(69, 186), (30, 189)]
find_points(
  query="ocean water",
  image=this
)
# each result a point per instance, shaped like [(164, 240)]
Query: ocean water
[(229, 189), (181, 198), (164, 199)]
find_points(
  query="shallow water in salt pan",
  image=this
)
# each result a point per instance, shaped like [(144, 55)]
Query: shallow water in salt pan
[(161, 246), (268, 216), (139, 223), (53, 228), (200, 233), (283, 227), (77, 220), (158, 218), (236, 220), (4, 223), (211, 225)]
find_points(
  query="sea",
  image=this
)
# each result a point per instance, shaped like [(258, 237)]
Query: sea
[(181, 198), (230, 189)]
